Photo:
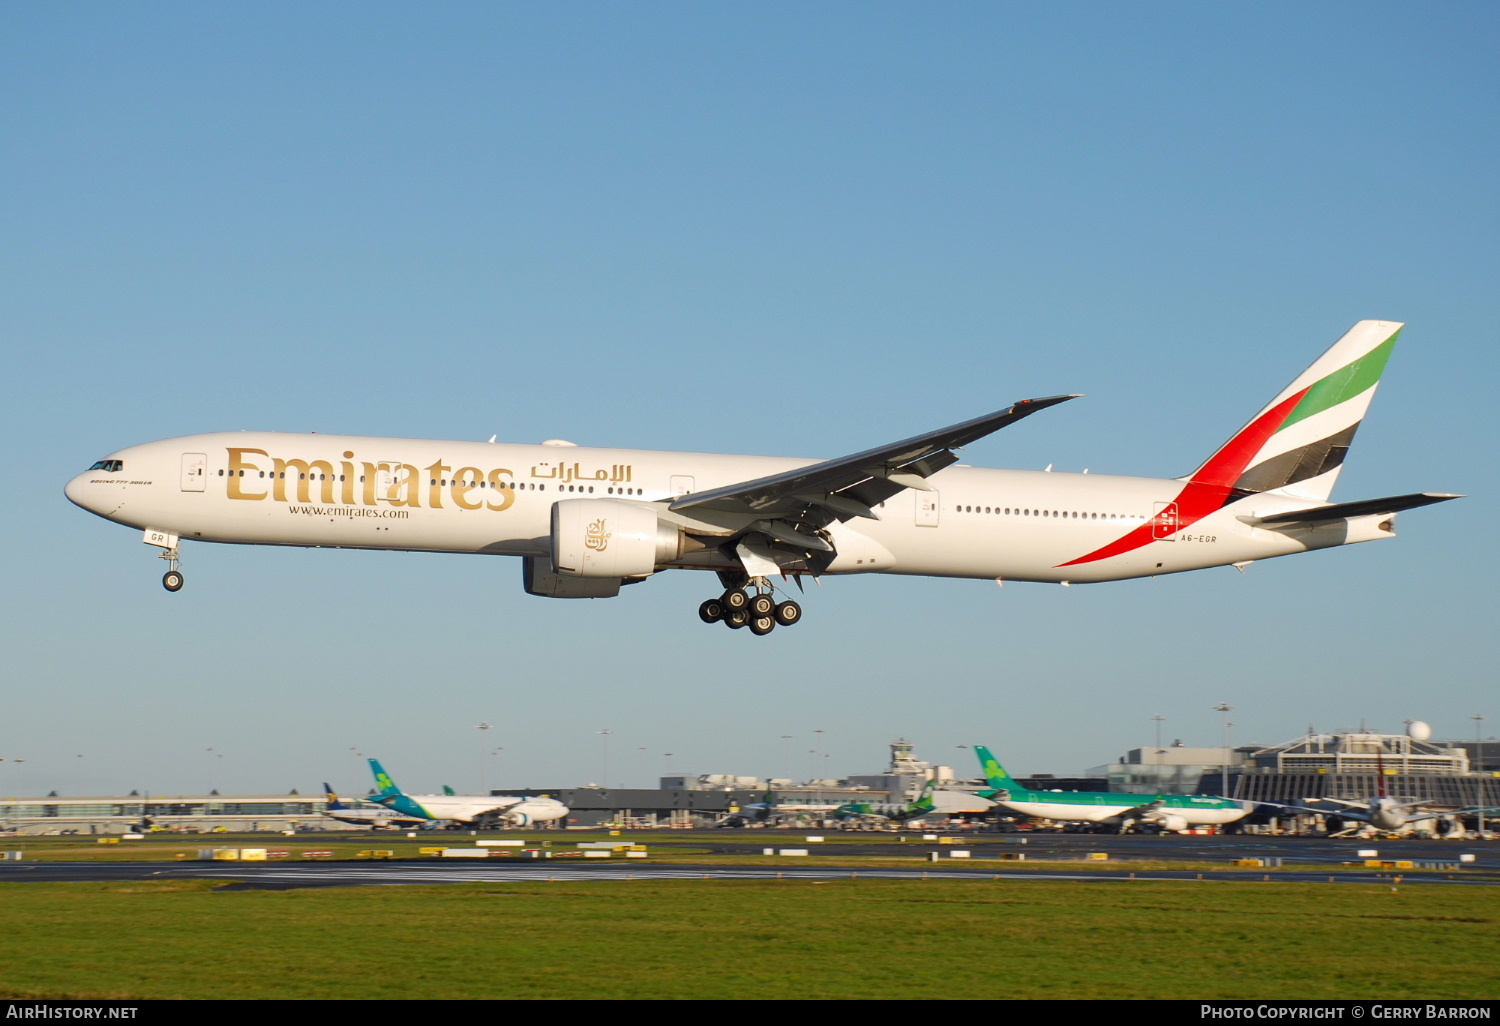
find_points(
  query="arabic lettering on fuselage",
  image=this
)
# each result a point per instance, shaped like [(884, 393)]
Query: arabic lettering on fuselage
[(618, 473)]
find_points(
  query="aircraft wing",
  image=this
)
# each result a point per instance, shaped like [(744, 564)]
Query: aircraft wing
[(1359, 508), (1354, 810), (850, 485)]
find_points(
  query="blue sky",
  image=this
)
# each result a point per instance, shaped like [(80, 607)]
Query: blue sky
[(768, 228)]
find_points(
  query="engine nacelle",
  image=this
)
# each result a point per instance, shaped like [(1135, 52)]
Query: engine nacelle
[(540, 579), (1171, 823), (598, 538)]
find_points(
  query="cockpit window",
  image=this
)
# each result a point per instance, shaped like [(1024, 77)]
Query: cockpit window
[(110, 465)]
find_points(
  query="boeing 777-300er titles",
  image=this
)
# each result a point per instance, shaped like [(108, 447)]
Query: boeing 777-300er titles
[(1121, 811), (586, 521), (463, 808)]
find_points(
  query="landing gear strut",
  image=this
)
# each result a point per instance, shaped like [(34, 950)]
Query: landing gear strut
[(172, 580), (759, 610)]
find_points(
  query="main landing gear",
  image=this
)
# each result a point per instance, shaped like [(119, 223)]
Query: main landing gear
[(759, 610)]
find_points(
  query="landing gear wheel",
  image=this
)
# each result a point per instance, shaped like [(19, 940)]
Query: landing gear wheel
[(711, 611), (734, 619), (172, 580), (762, 605), (762, 625), (788, 613), (736, 598)]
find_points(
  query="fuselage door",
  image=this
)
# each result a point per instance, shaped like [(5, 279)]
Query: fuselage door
[(682, 485), (388, 480), (1165, 523), (927, 508), (194, 471)]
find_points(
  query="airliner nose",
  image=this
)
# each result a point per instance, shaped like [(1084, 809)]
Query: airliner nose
[(90, 495), (77, 492)]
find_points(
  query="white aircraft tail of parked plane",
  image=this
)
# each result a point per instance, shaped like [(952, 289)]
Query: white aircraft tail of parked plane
[(587, 521)]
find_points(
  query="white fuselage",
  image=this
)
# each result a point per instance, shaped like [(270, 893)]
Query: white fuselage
[(334, 491), (462, 808), (1206, 815)]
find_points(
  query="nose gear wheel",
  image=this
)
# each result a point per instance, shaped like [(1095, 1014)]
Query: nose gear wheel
[(172, 580)]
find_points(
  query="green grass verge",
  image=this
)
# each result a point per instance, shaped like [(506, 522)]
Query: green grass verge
[(769, 939)]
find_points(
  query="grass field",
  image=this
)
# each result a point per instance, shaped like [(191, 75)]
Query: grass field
[(747, 939)]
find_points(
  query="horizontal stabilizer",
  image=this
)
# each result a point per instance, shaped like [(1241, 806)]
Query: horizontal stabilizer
[(1361, 508)]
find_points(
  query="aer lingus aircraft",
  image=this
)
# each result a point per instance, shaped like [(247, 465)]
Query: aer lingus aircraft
[(894, 812), (463, 808), (1107, 808), (586, 521)]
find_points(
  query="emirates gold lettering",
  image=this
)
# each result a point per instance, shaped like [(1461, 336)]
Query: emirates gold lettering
[(465, 480), (302, 472), (353, 483), (406, 485), (502, 492), (346, 478), (435, 476), (238, 465)]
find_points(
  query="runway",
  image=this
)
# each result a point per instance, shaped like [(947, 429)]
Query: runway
[(283, 876)]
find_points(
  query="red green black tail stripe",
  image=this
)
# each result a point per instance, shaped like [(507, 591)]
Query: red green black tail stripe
[(1228, 474)]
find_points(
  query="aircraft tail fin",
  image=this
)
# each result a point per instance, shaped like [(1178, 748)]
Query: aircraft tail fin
[(994, 773), (924, 801), (1298, 442), (331, 798), (383, 779)]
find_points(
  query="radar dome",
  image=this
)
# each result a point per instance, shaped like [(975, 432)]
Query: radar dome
[(1418, 731)]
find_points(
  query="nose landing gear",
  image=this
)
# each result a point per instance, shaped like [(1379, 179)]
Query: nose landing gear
[(172, 580), (759, 611)]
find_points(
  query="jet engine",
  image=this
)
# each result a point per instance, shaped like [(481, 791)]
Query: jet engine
[(611, 538), (1171, 823)]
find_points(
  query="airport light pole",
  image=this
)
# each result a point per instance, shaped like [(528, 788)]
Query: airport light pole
[(484, 783), (1161, 752), (604, 735), (1479, 780), (1226, 709), (211, 754)]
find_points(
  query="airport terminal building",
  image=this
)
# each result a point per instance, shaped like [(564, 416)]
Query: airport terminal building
[(1352, 765)]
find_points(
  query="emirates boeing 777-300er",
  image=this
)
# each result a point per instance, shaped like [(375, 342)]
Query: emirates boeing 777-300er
[(586, 521)]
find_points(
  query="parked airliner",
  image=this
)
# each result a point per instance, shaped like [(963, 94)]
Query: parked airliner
[(515, 810), (1115, 810), (587, 521)]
